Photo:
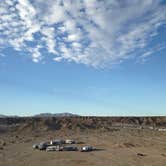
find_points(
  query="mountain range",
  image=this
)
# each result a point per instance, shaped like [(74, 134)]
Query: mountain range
[(65, 114)]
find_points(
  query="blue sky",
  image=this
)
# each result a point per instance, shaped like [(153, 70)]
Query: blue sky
[(84, 57)]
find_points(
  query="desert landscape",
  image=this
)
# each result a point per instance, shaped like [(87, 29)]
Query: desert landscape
[(119, 141), (82, 82)]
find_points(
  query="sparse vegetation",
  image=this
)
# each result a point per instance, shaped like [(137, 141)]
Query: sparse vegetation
[(117, 141)]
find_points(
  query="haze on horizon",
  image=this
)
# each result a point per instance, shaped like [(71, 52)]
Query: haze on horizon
[(87, 57)]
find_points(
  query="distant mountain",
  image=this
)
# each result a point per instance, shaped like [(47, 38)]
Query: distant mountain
[(65, 114), (2, 116), (8, 116), (56, 115)]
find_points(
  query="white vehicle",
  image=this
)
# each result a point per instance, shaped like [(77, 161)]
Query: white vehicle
[(162, 129), (69, 141), (57, 142), (87, 148)]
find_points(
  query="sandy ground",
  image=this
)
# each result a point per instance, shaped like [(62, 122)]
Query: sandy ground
[(115, 148)]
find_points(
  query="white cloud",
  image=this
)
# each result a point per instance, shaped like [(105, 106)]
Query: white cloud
[(49, 35), (55, 14), (92, 32), (73, 37), (70, 25), (35, 53), (151, 51), (76, 45)]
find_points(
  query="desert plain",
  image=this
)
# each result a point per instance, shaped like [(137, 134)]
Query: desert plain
[(118, 141)]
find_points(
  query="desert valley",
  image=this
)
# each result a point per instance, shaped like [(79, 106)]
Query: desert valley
[(119, 141)]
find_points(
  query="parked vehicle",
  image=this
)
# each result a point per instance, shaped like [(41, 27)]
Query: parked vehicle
[(70, 148), (43, 145), (35, 146), (54, 148), (57, 142), (69, 141), (86, 148)]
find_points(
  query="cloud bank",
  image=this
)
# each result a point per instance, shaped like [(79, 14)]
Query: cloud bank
[(91, 32)]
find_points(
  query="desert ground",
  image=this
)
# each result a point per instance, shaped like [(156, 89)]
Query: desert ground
[(116, 145)]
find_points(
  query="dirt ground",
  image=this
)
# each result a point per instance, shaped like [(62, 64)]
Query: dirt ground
[(123, 147)]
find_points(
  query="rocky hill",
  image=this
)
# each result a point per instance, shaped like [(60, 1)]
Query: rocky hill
[(40, 124)]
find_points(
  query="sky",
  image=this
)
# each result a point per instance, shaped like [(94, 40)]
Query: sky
[(87, 57)]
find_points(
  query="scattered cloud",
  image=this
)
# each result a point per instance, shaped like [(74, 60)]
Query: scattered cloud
[(92, 32), (159, 47)]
